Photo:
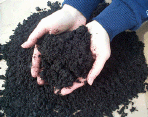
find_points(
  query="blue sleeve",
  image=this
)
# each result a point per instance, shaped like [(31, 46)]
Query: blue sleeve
[(121, 15), (86, 7)]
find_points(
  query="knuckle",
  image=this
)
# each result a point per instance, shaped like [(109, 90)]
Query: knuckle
[(108, 54), (40, 83), (105, 55), (34, 74)]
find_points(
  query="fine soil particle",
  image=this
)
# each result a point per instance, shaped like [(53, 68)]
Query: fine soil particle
[(64, 58), (133, 109), (49, 3), (38, 8)]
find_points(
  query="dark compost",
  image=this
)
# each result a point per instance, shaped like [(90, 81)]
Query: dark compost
[(64, 58)]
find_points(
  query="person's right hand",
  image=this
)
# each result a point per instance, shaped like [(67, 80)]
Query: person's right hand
[(65, 19)]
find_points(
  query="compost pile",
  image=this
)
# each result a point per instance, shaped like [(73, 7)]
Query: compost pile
[(64, 58)]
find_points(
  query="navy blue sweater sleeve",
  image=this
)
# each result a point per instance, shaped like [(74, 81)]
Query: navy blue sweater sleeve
[(86, 7), (120, 15)]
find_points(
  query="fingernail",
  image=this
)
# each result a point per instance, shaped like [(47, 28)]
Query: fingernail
[(23, 44), (55, 89), (59, 92), (90, 82)]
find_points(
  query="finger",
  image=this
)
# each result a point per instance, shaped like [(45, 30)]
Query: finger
[(37, 33), (36, 59), (68, 90), (56, 90), (40, 81), (96, 69)]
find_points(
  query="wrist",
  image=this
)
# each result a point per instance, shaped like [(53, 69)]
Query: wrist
[(71, 10), (96, 28), (76, 15)]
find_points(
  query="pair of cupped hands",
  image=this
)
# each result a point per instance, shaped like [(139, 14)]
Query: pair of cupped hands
[(68, 19)]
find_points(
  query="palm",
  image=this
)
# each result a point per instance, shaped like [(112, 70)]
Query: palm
[(100, 48)]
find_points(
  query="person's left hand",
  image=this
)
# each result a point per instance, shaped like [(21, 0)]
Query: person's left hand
[(100, 48)]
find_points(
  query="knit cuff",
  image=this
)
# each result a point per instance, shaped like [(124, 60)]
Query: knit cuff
[(85, 7), (117, 17)]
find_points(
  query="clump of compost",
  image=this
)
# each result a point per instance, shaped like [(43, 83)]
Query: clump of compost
[(64, 58)]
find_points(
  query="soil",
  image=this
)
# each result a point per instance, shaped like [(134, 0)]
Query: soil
[(65, 57)]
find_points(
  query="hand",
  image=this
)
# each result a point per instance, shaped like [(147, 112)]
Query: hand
[(66, 19), (100, 48)]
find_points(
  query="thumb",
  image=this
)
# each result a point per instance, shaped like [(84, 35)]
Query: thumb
[(96, 69), (37, 33)]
